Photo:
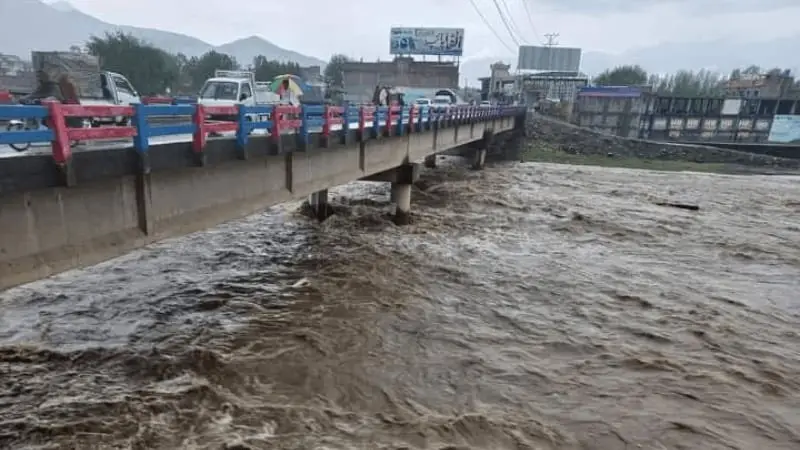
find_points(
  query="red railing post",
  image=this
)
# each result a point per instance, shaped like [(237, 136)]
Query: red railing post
[(62, 152), (326, 124), (362, 123), (199, 136), (387, 131)]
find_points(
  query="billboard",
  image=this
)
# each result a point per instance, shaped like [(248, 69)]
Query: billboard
[(557, 59), (427, 41), (785, 129)]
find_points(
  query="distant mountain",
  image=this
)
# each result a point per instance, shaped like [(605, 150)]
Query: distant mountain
[(244, 50), (61, 25), (717, 55)]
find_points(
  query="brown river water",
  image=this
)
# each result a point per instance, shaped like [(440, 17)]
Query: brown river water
[(528, 306)]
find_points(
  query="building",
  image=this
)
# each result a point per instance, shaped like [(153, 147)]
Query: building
[(531, 87), (500, 86), (12, 66), (616, 110), (361, 78), (553, 86), (768, 85)]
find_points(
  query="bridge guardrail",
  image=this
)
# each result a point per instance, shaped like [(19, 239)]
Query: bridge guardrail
[(370, 122)]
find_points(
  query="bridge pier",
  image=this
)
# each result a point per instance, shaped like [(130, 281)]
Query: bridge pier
[(481, 149), (402, 178), (318, 205), (402, 201), (430, 161)]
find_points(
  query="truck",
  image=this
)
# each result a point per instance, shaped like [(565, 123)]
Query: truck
[(236, 87), (75, 77)]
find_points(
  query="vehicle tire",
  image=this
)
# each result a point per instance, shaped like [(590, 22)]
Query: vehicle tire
[(22, 146)]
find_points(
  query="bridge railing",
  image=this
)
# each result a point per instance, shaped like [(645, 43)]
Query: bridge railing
[(369, 122)]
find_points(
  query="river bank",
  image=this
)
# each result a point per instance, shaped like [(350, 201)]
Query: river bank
[(553, 141)]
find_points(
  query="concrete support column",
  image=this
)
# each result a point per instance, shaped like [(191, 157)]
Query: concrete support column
[(401, 193), (430, 161), (479, 161), (481, 149), (318, 205)]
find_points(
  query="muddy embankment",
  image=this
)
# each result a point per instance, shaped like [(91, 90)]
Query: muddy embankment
[(544, 132)]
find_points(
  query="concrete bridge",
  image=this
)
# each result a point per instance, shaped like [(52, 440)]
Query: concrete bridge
[(75, 206)]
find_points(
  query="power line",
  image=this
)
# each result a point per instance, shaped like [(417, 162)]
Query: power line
[(489, 26), (505, 23), (529, 15), (514, 25)]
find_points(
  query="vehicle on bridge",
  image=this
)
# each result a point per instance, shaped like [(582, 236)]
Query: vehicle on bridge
[(236, 87), (74, 78)]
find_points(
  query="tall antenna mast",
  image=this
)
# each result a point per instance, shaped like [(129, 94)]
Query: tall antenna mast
[(551, 39)]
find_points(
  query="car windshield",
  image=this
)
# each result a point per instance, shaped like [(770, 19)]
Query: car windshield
[(423, 101), (220, 90), (441, 101)]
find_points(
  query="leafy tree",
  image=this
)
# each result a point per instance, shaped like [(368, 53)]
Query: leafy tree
[(266, 69), (150, 69), (689, 83), (334, 71), (198, 70), (622, 76)]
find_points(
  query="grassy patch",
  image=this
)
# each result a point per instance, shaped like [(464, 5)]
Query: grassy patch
[(543, 153)]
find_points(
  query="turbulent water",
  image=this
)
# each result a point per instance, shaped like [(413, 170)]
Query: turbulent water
[(528, 306)]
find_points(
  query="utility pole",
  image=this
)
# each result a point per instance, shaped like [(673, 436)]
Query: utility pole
[(551, 42)]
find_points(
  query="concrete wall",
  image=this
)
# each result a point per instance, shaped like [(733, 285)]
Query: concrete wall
[(620, 116), (50, 230), (361, 78)]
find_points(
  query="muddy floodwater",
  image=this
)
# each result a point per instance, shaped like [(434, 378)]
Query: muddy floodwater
[(529, 306)]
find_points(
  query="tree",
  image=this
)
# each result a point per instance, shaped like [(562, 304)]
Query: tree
[(150, 69), (622, 76), (266, 69), (334, 71), (198, 70)]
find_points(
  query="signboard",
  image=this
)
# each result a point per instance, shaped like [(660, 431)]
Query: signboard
[(427, 41), (785, 129), (556, 59)]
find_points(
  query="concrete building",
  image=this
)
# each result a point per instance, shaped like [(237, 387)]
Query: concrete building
[(768, 85), (500, 85), (554, 86), (361, 78), (613, 110), (530, 87)]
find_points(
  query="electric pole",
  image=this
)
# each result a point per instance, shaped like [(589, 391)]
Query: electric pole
[(551, 39)]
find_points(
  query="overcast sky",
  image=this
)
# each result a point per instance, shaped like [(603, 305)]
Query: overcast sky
[(360, 28)]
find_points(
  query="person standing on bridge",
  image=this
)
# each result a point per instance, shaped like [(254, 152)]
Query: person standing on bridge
[(287, 96)]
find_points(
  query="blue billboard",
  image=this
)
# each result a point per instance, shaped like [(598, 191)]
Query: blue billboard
[(785, 129), (427, 41)]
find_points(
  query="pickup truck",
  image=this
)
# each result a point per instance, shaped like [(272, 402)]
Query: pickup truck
[(88, 82), (236, 87)]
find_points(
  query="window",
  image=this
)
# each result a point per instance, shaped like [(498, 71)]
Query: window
[(123, 86), (220, 90), (246, 90)]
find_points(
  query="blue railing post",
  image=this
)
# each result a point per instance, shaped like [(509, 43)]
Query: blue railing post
[(302, 133), (141, 142), (400, 130), (242, 132), (376, 122)]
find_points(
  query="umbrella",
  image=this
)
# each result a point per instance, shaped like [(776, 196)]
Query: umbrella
[(294, 86)]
